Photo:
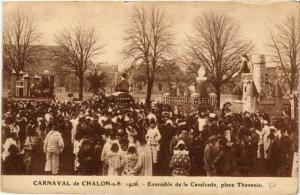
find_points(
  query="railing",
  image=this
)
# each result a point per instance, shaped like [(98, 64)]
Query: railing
[(176, 100), (211, 100)]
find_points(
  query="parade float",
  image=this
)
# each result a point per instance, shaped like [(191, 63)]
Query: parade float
[(37, 87), (121, 95)]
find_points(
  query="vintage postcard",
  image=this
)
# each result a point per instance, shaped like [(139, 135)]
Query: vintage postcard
[(150, 97)]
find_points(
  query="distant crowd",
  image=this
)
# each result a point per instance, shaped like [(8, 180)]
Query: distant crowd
[(102, 137)]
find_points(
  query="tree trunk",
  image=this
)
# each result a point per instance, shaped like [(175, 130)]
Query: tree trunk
[(291, 84), (149, 92), (80, 92), (218, 93)]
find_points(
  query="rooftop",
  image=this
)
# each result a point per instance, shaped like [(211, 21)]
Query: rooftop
[(252, 91)]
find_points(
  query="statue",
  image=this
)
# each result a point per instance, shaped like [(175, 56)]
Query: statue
[(244, 68), (202, 82), (192, 89), (201, 74), (123, 85)]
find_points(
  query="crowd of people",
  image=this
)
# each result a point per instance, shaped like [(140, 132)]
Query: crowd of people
[(102, 137)]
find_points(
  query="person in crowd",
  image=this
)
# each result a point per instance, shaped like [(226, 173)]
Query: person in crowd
[(272, 155), (254, 142), (209, 156), (114, 161), (285, 147), (53, 146), (201, 121), (265, 138), (186, 134), (21, 122), (174, 141), (153, 137), (180, 162), (223, 161), (144, 164), (87, 159), (129, 161), (197, 154), (12, 164), (31, 148), (223, 142), (12, 139), (243, 151), (124, 143), (107, 150)]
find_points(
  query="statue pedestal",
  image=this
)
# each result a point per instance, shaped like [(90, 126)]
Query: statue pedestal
[(194, 100), (202, 86)]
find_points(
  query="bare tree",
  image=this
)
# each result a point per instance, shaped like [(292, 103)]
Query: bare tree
[(76, 48), (166, 74), (20, 39), (148, 43), (284, 46), (217, 45)]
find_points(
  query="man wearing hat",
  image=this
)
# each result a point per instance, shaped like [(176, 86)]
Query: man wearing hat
[(209, 155)]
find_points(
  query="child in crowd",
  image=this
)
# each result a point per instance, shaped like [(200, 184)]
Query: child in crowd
[(130, 160), (114, 160)]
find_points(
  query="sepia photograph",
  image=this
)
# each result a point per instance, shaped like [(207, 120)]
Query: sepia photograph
[(197, 89)]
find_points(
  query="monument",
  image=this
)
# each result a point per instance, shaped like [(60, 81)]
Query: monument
[(198, 99), (249, 95)]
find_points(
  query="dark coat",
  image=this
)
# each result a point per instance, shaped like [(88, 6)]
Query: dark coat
[(122, 86)]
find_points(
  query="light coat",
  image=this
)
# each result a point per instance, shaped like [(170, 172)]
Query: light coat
[(53, 142), (144, 163)]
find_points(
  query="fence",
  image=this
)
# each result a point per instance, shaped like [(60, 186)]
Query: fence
[(182, 102), (188, 102), (177, 100)]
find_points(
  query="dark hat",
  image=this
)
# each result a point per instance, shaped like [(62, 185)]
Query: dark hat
[(152, 121), (212, 138), (124, 75)]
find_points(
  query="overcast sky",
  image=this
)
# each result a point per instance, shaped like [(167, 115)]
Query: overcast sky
[(111, 19)]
